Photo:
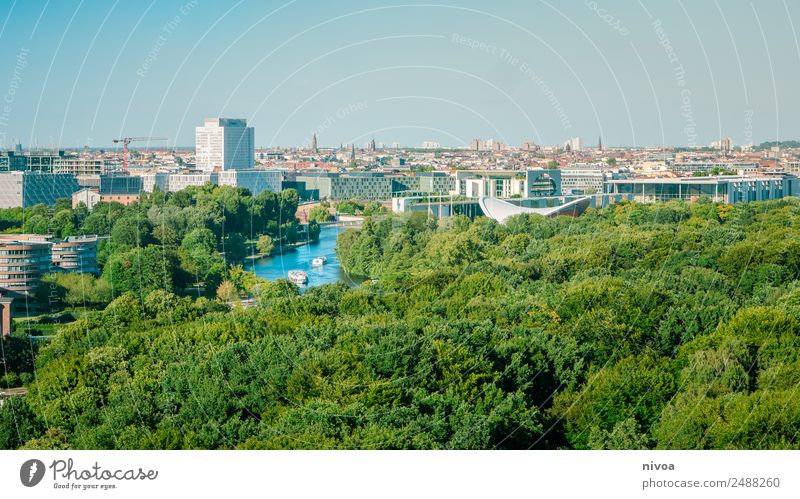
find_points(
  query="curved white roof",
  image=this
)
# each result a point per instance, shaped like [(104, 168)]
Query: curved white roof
[(501, 210)]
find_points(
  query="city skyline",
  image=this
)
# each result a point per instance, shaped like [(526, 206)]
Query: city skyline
[(639, 75)]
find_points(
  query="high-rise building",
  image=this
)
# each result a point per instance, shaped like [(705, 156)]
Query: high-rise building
[(224, 144), (574, 144)]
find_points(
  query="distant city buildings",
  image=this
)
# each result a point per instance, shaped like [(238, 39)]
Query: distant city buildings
[(574, 144), (225, 155), (224, 144), (486, 145), (724, 145)]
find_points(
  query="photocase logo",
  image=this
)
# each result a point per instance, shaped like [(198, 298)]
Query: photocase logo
[(31, 472)]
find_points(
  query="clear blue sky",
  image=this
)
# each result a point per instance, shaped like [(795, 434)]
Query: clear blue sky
[(76, 73)]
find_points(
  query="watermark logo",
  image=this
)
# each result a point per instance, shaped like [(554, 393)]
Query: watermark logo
[(31, 472)]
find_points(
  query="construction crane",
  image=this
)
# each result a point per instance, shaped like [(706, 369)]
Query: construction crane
[(127, 140)]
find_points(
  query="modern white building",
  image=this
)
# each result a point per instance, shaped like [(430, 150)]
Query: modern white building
[(224, 144), (531, 183), (576, 181), (255, 180), (723, 189)]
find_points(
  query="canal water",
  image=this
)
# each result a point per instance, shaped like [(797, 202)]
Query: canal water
[(278, 266)]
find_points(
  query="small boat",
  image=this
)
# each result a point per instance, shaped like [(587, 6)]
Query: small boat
[(298, 276), (319, 261)]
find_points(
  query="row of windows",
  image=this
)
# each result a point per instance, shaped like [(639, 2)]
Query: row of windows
[(17, 277), (31, 253), (24, 260)]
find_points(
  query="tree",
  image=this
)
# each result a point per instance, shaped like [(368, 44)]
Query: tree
[(227, 292), (265, 244), (314, 230), (74, 289), (37, 224), (145, 269), (132, 230), (235, 248), (320, 214), (200, 239)]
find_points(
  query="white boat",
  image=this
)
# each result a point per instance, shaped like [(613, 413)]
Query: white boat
[(298, 276), (319, 261)]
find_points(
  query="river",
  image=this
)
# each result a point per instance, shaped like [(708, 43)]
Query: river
[(277, 266)]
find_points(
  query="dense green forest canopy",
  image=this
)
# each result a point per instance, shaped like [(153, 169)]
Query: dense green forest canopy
[(666, 325)]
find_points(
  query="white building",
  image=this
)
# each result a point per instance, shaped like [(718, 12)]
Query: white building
[(724, 144), (579, 181), (224, 144), (574, 144), (255, 180)]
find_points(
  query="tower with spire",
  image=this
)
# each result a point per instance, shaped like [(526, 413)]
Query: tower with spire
[(352, 153), (600, 143), (314, 147)]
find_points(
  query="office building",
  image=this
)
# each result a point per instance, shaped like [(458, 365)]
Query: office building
[(692, 167), (28, 189), (582, 181), (724, 189), (507, 183), (81, 166), (366, 185), (256, 180), (224, 144), (35, 160)]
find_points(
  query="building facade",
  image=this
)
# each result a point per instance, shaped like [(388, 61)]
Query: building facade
[(36, 160), (23, 261), (224, 144), (254, 180), (532, 183), (75, 254), (724, 189), (28, 188), (80, 166), (582, 181)]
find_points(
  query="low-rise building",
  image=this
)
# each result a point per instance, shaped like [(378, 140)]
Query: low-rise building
[(366, 185), (725, 189)]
